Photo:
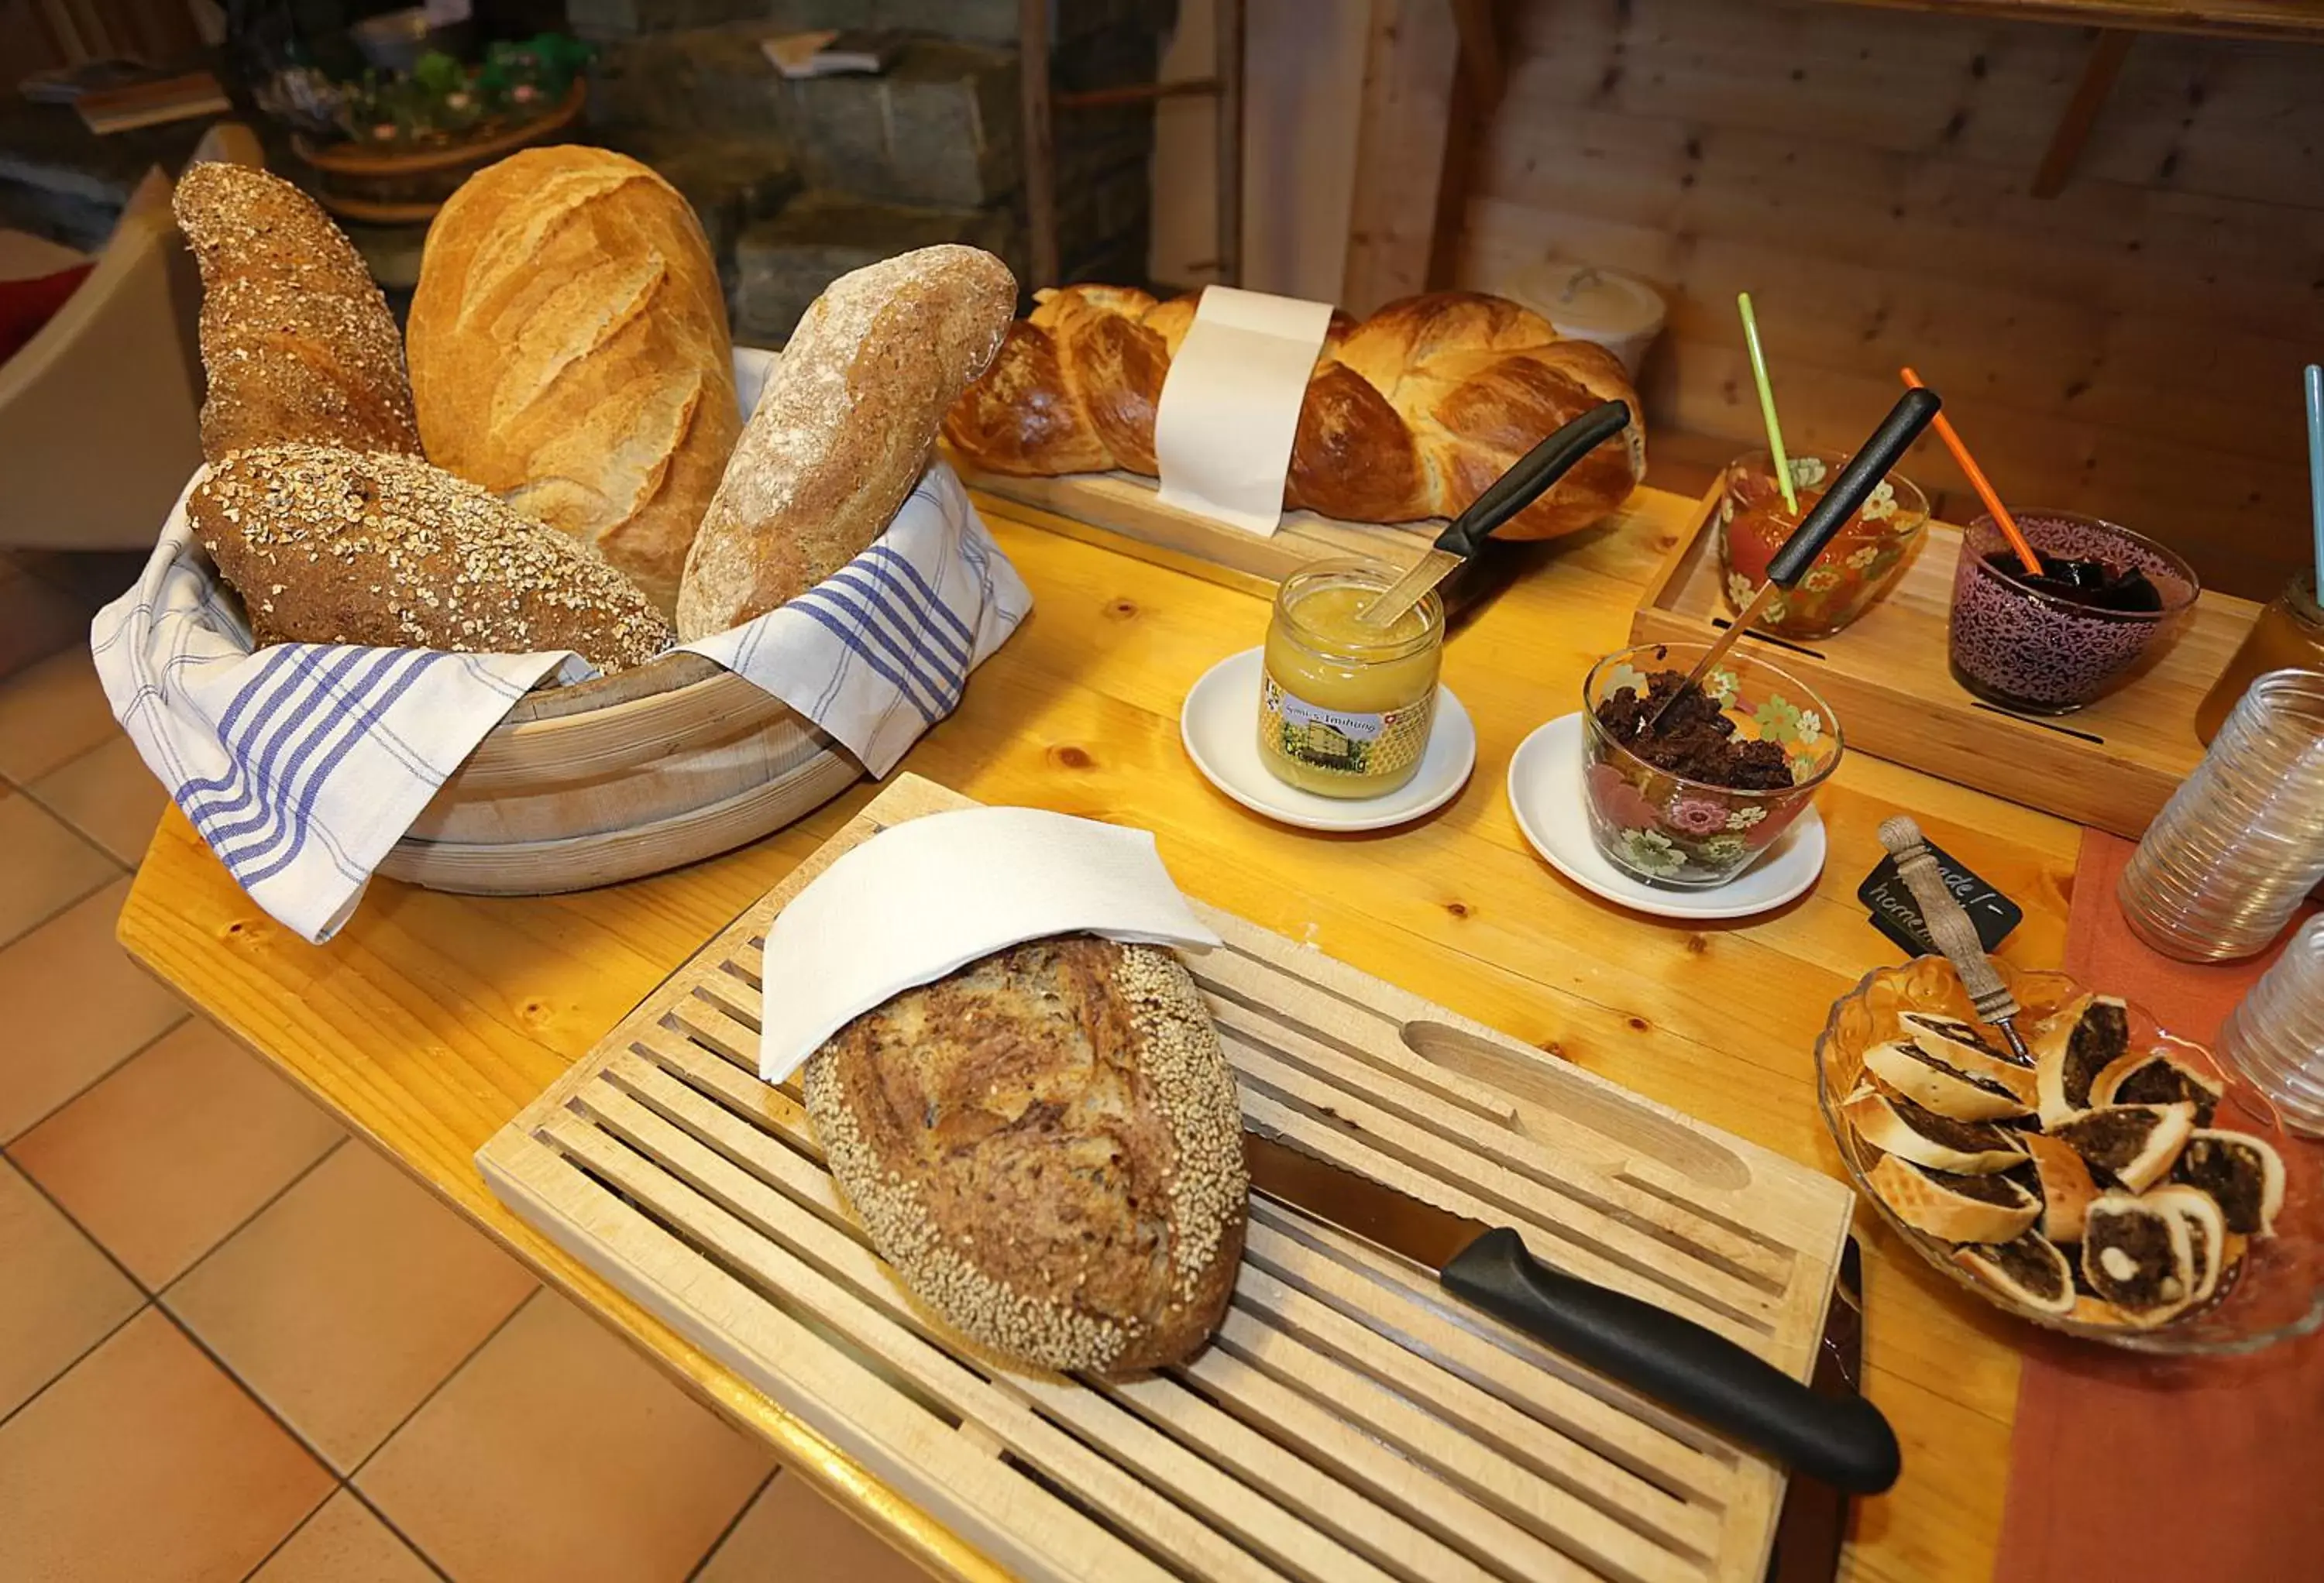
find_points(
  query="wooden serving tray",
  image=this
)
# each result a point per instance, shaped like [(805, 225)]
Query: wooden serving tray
[(1349, 1421), (2113, 764), (1131, 505)]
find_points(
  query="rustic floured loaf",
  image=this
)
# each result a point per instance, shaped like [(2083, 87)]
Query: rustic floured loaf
[(843, 429), (332, 546), (296, 338), (1047, 1146), (569, 352), (1409, 413)]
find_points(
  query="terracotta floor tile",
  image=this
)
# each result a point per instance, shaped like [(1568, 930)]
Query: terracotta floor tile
[(791, 1530), (51, 712), (558, 1453), (58, 1295), (344, 1544), (49, 867), (147, 1462), (109, 796), (37, 619), (77, 1008), (349, 1299), (175, 1148)]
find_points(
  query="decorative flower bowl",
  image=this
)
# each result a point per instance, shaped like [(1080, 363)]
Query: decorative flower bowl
[(2014, 645), (2275, 1294), (1670, 830), (1855, 569)]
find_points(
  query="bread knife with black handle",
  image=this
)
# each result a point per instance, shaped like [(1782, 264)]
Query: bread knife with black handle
[(1844, 1442)]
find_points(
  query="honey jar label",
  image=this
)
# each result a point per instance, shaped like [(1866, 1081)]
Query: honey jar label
[(1344, 742)]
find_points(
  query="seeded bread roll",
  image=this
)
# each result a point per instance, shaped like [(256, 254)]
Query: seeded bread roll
[(329, 546), (296, 338), (1047, 1146), (569, 352), (844, 428)]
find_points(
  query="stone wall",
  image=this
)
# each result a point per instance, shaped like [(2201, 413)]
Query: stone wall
[(800, 182)]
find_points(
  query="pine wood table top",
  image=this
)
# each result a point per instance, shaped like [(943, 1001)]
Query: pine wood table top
[(433, 1018)]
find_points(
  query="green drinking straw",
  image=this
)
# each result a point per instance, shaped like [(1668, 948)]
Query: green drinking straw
[(2316, 464), (1767, 404)]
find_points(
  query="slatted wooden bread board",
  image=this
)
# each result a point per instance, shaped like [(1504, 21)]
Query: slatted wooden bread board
[(1349, 1421)]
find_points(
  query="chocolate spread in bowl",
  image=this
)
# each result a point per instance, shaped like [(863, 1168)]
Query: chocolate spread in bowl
[(1695, 739)]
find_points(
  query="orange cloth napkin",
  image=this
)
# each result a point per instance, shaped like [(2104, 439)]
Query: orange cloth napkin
[(2129, 1467)]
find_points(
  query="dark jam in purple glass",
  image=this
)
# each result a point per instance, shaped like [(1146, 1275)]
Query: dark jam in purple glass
[(2091, 583)]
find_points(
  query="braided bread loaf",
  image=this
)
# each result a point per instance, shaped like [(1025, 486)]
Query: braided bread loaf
[(1410, 413)]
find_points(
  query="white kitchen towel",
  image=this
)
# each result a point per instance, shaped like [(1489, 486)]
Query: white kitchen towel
[(303, 764), (936, 893), (1230, 405)]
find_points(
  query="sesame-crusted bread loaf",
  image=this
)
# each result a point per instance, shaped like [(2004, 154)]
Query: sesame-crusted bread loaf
[(843, 429), (569, 352), (330, 546), (296, 338), (1047, 1146)]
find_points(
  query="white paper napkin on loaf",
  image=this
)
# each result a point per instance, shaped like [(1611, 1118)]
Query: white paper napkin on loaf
[(303, 764), (1229, 406), (936, 893)]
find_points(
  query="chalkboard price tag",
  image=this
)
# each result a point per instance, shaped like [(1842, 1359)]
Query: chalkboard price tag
[(1896, 915)]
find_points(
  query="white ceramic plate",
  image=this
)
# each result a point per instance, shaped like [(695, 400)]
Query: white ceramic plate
[(1219, 724), (1546, 792)]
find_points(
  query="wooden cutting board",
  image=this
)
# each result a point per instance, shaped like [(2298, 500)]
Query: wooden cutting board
[(1349, 1421), (2113, 764)]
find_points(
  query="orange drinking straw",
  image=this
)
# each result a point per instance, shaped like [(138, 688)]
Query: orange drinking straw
[(1982, 484)]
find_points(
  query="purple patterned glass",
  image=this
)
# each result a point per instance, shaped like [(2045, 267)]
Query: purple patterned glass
[(2038, 653)]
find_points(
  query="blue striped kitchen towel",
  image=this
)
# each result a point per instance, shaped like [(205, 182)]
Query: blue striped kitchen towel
[(303, 764)]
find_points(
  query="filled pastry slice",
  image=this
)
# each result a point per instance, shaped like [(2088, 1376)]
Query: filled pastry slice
[(2071, 1049), (1895, 1125), (2242, 1172), (1955, 1208), (1936, 1084), (2158, 1077), (1966, 1049), (2132, 1143), (2139, 1257), (2029, 1269), (2062, 1177), (2207, 1236)]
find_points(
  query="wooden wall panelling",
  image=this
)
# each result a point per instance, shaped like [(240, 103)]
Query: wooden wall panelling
[(2130, 347), (1408, 102)]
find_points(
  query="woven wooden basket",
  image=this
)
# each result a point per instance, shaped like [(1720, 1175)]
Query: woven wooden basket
[(622, 777)]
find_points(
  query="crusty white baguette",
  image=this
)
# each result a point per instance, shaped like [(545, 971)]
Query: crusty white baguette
[(569, 352), (843, 429)]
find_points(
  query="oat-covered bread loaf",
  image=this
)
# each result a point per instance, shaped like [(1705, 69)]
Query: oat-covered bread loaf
[(844, 428), (1047, 1146), (1410, 413), (569, 352), (296, 338), (332, 546)]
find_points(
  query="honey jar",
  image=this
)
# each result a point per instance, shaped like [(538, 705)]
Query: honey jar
[(1345, 708)]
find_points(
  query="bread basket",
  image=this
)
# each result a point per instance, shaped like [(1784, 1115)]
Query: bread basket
[(2277, 1293), (619, 778)]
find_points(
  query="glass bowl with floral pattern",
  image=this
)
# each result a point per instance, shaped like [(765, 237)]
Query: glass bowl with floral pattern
[(2273, 1290), (1861, 564), (1687, 834)]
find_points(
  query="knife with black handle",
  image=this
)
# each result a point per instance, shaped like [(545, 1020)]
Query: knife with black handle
[(1843, 1442)]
